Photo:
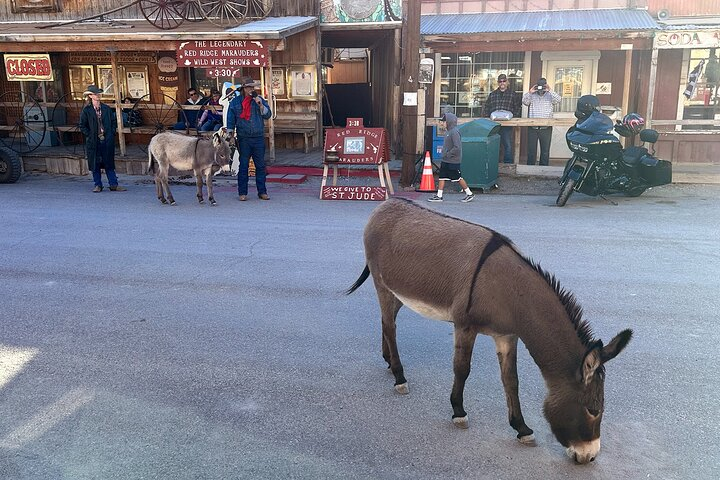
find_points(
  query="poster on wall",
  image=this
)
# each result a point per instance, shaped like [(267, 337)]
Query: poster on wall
[(352, 11), (278, 82), (136, 84), (107, 84), (302, 83)]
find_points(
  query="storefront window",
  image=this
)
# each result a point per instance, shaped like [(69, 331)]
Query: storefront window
[(700, 98), (468, 78), (80, 77)]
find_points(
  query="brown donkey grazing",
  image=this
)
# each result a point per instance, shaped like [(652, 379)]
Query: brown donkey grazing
[(494, 290), (201, 155)]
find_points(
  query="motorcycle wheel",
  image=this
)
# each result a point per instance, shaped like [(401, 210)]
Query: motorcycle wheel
[(635, 192), (565, 192)]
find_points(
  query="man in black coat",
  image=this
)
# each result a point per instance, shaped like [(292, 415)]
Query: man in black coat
[(98, 123)]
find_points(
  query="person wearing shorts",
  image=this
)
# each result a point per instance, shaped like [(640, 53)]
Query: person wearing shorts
[(451, 160)]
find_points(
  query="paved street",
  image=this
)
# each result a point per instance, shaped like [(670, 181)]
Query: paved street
[(143, 341)]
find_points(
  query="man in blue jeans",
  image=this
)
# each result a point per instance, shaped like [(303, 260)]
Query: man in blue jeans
[(246, 118), (503, 98)]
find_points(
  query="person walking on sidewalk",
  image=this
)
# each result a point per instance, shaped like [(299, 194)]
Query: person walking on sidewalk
[(98, 124), (451, 160), (540, 100), (246, 119), (503, 98)]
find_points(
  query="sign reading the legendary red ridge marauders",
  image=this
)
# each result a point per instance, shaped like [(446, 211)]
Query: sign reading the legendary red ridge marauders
[(223, 54)]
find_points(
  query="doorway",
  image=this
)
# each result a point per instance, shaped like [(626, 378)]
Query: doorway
[(572, 75)]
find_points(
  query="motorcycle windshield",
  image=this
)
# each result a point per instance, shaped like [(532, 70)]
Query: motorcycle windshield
[(596, 129)]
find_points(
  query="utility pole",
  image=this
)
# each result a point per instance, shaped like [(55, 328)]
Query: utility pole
[(410, 67)]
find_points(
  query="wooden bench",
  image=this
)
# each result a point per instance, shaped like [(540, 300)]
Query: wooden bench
[(304, 123)]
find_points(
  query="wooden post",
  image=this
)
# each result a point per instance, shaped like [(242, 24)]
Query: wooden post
[(651, 86), (626, 89), (408, 84), (118, 101), (271, 125)]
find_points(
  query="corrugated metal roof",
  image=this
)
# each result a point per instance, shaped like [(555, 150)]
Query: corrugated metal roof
[(556, 21), (280, 25)]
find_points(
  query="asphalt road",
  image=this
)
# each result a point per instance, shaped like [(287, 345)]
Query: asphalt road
[(142, 341)]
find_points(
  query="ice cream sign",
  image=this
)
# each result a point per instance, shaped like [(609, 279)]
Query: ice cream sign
[(222, 54)]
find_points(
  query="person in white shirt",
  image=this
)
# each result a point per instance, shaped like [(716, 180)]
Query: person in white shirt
[(540, 100)]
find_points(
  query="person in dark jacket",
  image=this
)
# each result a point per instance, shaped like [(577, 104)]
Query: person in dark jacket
[(451, 160), (503, 98), (98, 123), (246, 120)]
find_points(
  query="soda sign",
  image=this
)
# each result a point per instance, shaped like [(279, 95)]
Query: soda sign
[(19, 67)]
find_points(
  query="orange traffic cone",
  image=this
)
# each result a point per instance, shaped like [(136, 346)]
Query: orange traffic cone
[(427, 183)]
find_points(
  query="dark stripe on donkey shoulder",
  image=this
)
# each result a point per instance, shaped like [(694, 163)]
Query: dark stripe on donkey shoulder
[(496, 241), (363, 276)]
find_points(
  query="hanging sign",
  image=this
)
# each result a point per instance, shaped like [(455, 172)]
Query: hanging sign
[(28, 66), (688, 39), (228, 54)]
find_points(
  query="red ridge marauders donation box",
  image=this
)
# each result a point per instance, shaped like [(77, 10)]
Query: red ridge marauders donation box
[(356, 145)]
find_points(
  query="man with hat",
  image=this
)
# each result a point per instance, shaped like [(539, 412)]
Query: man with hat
[(98, 123), (503, 98), (540, 100), (246, 117)]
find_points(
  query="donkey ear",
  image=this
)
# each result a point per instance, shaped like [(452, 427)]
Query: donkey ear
[(616, 345), (590, 363), (216, 139)]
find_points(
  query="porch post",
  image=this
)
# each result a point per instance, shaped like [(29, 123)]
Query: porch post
[(118, 100), (651, 87)]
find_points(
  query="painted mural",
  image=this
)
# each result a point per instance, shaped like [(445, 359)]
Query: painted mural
[(352, 11)]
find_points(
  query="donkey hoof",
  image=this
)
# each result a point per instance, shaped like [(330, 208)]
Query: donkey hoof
[(461, 422), (402, 389), (528, 440)]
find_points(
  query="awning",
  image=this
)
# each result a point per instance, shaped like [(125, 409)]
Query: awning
[(270, 28), (545, 21)]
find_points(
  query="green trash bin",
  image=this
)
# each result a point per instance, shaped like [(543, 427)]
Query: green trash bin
[(480, 153)]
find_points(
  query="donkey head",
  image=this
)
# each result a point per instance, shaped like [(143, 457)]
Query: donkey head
[(223, 155), (574, 407)]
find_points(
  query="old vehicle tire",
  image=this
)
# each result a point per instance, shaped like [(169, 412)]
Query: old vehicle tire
[(565, 191), (635, 192), (10, 165)]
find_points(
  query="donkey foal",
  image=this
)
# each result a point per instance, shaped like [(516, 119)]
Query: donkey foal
[(494, 290), (201, 155)]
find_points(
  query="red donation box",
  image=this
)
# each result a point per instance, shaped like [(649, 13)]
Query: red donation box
[(356, 145)]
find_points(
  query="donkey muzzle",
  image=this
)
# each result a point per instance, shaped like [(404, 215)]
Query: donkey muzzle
[(584, 452)]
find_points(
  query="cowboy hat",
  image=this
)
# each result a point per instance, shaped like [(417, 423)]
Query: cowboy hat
[(92, 89), (249, 82)]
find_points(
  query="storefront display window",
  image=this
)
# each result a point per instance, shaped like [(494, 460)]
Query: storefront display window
[(700, 97), (80, 77), (468, 78)]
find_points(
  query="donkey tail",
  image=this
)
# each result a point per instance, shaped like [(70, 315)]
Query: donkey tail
[(151, 164), (363, 276)]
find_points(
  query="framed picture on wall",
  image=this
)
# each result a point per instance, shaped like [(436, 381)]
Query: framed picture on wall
[(80, 77), (36, 6), (278, 82), (107, 83), (302, 82)]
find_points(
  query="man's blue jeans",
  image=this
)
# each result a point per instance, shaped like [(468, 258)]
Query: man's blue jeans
[(506, 139), (255, 147), (101, 154)]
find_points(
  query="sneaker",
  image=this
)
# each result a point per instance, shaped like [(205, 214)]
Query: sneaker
[(263, 196), (435, 198), (97, 189), (468, 198), (242, 198), (118, 188)]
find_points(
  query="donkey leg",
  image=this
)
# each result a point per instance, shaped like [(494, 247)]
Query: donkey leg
[(506, 348), (159, 190), (389, 307), (209, 183), (198, 182), (464, 343), (166, 186)]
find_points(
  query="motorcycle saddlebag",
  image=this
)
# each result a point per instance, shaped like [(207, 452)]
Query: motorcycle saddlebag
[(657, 174)]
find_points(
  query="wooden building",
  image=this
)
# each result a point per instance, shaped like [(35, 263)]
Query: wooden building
[(578, 47), (128, 55), (684, 80)]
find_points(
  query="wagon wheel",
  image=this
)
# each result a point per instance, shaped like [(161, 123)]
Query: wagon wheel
[(159, 112), (164, 14), (191, 11), (224, 13), (259, 8), (65, 117), (22, 122)]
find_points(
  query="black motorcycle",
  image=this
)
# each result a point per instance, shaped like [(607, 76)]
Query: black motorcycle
[(600, 165)]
